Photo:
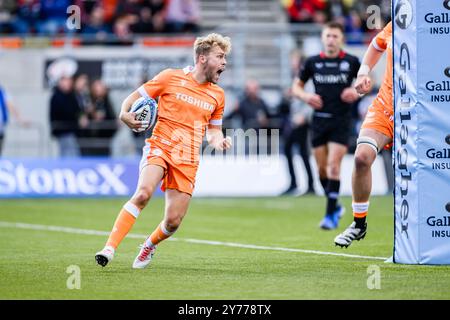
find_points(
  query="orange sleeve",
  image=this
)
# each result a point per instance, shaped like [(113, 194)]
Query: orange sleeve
[(381, 40), (216, 116), (155, 87)]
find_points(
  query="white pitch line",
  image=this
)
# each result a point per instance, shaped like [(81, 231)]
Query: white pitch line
[(19, 225)]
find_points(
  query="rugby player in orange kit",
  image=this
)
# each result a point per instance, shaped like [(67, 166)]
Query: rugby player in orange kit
[(377, 131), (189, 102)]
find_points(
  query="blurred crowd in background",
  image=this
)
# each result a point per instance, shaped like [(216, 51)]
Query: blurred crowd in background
[(354, 15), (125, 18), (82, 118), (99, 18)]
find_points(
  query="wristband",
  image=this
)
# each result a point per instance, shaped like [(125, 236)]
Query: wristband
[(364, 70)]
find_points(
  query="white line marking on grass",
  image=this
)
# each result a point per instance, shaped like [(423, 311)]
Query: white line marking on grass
[(263, 204), (19, 225)]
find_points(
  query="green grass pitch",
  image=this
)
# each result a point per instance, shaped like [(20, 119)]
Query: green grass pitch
[(33, 263)]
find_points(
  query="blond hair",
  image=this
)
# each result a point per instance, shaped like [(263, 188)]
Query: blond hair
[(203, 45)]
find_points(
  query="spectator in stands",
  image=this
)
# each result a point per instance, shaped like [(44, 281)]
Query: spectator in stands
[(82, 92), (64, 116), (109, 8), (128, 7), (7, 108), (122, 28), (151, 17), (27, 16), (159, 22), (53, 17), (251, 109), (304, 11), (103, 123), (87, 6), (158, 9), (336, 10), (83, 95), (96, 26), (354, 29), (183, 16), (7, 9), (295, 118), (145, 22), (156, 6), (126, 16)]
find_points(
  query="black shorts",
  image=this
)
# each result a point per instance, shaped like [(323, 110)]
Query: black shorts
[(326, 130)]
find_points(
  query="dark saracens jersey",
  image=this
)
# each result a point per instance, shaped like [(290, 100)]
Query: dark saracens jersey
[(331, 76)]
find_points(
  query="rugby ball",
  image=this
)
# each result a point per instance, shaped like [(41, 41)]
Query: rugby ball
[(146, 109)]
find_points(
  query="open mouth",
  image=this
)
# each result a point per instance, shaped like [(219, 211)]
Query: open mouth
[(220, 71)]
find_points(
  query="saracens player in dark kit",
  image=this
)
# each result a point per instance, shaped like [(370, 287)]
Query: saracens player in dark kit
[(332, 72)]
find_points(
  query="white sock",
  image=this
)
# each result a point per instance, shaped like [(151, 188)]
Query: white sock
[(148, 243), (360, 207)]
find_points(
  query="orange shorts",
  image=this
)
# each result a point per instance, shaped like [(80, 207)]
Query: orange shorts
[(179, 174), (379, 119)]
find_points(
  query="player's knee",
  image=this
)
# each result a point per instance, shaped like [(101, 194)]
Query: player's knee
[(363, 161), (143, 195), (333, 170), (173, 221)]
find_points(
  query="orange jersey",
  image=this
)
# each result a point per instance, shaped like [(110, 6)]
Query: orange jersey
[(380, 117), (185, 108), (383, 42)]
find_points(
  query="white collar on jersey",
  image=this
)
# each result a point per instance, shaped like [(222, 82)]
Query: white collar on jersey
[(188, 69)]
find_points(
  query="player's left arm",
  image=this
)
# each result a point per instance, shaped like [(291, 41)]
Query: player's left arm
[(215, 138), (349, 94), (214, 134)]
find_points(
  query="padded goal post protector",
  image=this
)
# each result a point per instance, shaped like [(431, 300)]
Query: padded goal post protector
[(421, 153)]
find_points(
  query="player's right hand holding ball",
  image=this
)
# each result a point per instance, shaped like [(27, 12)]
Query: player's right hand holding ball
[(363, 84), (129, 118)]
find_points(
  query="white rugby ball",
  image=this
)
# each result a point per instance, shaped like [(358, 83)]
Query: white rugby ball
[(146, 109)]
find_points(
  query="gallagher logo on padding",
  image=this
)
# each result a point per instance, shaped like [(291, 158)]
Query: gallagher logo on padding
[(403, 14), (447, 4), (440, 156), (447, 72)]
